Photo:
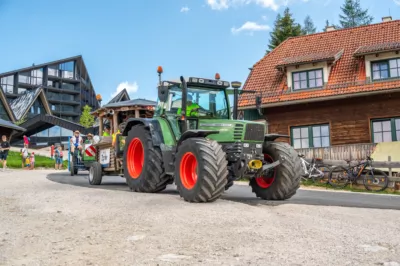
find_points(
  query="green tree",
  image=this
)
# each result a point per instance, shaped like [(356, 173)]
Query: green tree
[(308, 27), (284, 27), (21, 121), (326, 25), (86, 120), (353, 15)]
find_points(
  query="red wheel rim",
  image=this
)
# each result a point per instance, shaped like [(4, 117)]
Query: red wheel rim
[(135, 158), (266, 181), (188, 170)]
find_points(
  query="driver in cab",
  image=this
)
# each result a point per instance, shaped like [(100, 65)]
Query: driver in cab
[(191, 107)]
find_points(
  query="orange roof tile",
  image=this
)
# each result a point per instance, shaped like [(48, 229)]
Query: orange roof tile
[(380, 47), (347, 75), (310, 58)]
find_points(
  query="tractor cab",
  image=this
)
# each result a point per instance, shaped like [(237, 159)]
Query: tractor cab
[(191, 103)]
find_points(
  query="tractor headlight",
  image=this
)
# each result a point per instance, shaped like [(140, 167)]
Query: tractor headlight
[(246, 145), (258, 145)]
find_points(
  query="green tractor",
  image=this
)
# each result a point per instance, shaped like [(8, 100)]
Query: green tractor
[(196, 141)]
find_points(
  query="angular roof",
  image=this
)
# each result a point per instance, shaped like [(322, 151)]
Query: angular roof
[(142, 102), (121, 96), (3, 100), (11, 125), (21, 105), (347, 74)]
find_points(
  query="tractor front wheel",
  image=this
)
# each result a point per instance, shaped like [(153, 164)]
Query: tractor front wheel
[(281, 182), (143, 163), (200, 170)]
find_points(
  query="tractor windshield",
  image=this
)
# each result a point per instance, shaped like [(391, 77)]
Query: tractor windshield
[(201, 102)]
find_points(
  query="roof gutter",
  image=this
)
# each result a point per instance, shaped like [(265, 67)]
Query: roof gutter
[(320, 99)]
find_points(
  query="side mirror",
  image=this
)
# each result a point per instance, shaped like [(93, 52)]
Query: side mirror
[(258, 104), (162, 93)]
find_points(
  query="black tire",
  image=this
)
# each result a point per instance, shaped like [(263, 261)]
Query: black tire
[(152, 177), (339, 180), (371, 176), (72, 167), (95, 174), (211, 170), (285, 178)]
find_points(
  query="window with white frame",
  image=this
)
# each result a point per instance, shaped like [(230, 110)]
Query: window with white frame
[(307, 79), (385, 130), (313, 136)]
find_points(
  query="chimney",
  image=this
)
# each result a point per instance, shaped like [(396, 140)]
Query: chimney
[(330, 28), (386, 19)]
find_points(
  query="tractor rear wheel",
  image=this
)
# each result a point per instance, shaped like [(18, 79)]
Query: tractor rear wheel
[(200, 170), (95, 173), (282, 182), (143, 163)]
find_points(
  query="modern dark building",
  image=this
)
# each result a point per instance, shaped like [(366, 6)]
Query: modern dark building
[(47, 98)]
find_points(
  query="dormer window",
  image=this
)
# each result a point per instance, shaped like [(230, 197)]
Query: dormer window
[(308, 79), (386, 69)]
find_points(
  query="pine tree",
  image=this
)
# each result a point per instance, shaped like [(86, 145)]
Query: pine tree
[(309, 27), (326, 25), (284, 27), (353, 15), (86, 119)]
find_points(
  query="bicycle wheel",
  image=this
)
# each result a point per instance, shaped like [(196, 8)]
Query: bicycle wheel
[(338, 177), (319, 177), (376, 180)]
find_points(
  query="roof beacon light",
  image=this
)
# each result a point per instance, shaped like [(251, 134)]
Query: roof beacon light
[(217, 76), (159, 70)]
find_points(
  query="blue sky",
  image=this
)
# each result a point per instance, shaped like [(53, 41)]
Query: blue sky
[(123, 41)]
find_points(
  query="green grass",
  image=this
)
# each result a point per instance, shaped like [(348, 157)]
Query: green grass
[(14, 160)]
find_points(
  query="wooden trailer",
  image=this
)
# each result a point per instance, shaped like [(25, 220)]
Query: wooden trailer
[(109, 150)]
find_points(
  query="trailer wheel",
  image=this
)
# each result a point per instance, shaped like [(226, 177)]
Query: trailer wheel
[(282, 182), (143, 163), (95, 174), (200, 170), (73, 171)]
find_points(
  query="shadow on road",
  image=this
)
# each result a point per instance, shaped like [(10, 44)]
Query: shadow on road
[(242, 194)]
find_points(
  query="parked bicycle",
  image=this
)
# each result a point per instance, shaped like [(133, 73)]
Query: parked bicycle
[(340, 176), (315, 170)]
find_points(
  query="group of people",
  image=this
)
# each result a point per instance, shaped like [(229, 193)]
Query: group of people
[(28, 159)]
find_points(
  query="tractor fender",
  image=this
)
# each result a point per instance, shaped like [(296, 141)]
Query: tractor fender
[(151, 124), (273, 137), (195, 134)]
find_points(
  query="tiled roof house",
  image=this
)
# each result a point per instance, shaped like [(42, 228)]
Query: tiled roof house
[(331, 88)]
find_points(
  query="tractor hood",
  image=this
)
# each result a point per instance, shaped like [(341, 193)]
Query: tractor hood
[(234, 130)]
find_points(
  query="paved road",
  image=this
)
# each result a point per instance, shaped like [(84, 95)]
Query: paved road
[(243, 194)]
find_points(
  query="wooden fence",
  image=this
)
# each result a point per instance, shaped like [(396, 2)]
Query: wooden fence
[(340, 152)]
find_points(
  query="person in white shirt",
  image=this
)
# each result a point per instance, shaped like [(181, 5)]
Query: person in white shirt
[(76, 141)]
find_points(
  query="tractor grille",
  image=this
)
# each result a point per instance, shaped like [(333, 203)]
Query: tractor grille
[(254, 132), (238, 132)]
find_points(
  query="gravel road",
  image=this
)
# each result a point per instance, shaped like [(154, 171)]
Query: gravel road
[(48, 223)]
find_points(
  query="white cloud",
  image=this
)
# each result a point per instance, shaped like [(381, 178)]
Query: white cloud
[(131, 87), (397, 2), (272, 4), (185, 9), (250, 27)]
